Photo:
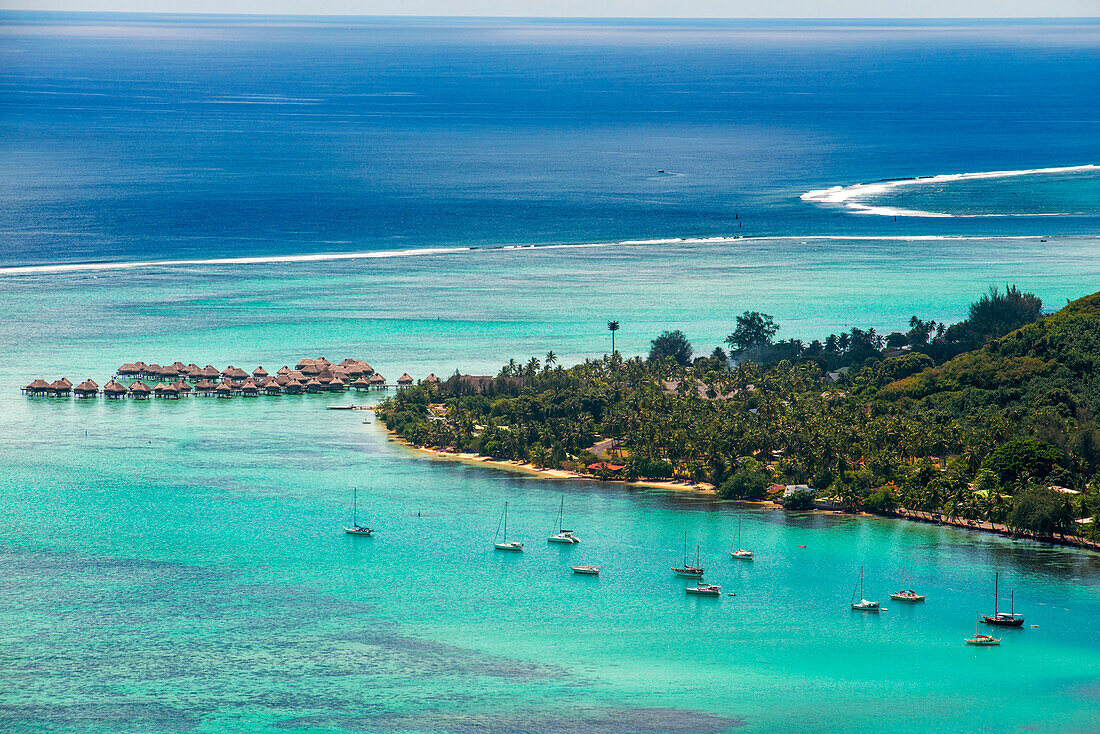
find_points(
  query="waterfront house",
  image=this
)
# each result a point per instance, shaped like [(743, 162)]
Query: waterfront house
[(206, 387), (140, 390), (209, 372), (224, 389), (165, 390), (361, 384), (249, 388), (293, 387), (61, 387), (431, 379), (86, 389), (259, 373), (182, 387), (314, 385), (405, 380), (114, 390), (38, 387), (378, 382)]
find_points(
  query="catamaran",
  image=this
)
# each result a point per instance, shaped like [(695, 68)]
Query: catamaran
[(904, 594), (740, 553), (507, 545), (863, 605), (703, 589), (1003, 619), (356, 528), (563, 535), (981, 639), (688, 571)]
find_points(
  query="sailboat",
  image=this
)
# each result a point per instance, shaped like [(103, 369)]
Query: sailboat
[(740, 553), (688, 571), (863, 605), (507, 545), (356, 528), (563, 536), (980, 639), (1003, 619), (904, 594)]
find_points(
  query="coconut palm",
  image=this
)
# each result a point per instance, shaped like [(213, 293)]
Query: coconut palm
[(612, 326)]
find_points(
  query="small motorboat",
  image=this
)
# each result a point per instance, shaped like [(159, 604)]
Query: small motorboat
[(863, 605), (701, 589), (586, 570)]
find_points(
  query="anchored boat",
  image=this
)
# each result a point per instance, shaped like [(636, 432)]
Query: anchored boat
[(356, 528), (563, 536), (505, 544), (702, 589), (689, 571), (904, 594), (586, 570), (740, 553), (863, 605), (1003, 619), (980, 639)]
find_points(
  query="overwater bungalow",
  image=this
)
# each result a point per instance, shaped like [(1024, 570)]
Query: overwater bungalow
[(235, 373), (405, 380), (337, 385), (179, 367), (151, 371), (224, 389), (249, 388), (86, 389), (131, 368), (271, 386), (322, 362), (293, 387), (165, 390), (209, 372), (361, 384), (114, 390), (311, 369), (367, 369), (325, 377), (38, 387), (282, 370), (140, 390), (181, 387), (314, 385), (431, 379), (259, 373), (206, 387), (378, 382), (168, 372), (296, 375), (61, 387)]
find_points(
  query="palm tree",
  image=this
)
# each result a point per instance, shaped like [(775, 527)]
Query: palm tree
[(612, 326), (551, 359)]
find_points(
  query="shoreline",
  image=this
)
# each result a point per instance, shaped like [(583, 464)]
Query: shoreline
[(704, 488)]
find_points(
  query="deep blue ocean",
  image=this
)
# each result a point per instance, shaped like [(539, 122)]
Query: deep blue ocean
[(440, 195), (134, 137)]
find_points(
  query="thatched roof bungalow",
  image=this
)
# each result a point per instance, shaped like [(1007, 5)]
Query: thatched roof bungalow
[(314, 385), (131, 368), (140, 390), (181, 387), (293, 387), (235, 373), (165, 390), (206, 387), (38, 387), (250, 388), (224, 389), (303, 362), (361, 384), (61, 387), (432, 379), (114, 390), (337, 385), (378, 382), (259, 372), (282, 370), (87, 389), (405, 380), (209, 372)]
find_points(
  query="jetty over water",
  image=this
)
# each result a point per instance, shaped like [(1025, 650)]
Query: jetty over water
[(143, 380)]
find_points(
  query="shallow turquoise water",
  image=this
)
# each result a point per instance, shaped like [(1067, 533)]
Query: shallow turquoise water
[(177, 566)]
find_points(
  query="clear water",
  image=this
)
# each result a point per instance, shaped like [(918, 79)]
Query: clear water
[(179, 566)]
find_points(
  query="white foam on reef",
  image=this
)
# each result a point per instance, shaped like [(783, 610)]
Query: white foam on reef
[(75, 268), (850, 197)]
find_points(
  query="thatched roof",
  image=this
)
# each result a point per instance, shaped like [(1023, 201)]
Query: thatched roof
[(361, 382), (283, 370), (322, 361), (140, 388), (38, 384), (130, 368), (88, 386), (165, 389), (259, 372), (235, 372), (405, 379), (204, 385), (303, 362), (431, 378), (178, 366), (249, 385), (310, 369), (296, 375), (61, 385), (113, 388), (181, 386), (377, 379), (210, 372), (325, 377)]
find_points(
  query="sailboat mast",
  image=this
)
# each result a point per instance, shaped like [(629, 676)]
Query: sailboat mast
[(355, 506), (996, 591), (561, 513), (505, 522), (861, 582)]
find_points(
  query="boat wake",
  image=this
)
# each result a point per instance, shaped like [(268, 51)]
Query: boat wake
[(854, 197)]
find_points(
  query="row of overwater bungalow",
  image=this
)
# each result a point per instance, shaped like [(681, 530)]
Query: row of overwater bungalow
[(178, 380)]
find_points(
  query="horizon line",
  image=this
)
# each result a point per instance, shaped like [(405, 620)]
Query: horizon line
[(429, 16)]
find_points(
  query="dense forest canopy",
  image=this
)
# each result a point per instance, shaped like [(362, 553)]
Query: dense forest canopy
[(991, 418)]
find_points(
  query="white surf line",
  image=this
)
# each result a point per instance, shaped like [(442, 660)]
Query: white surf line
[(70, 268), (846, 196)]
